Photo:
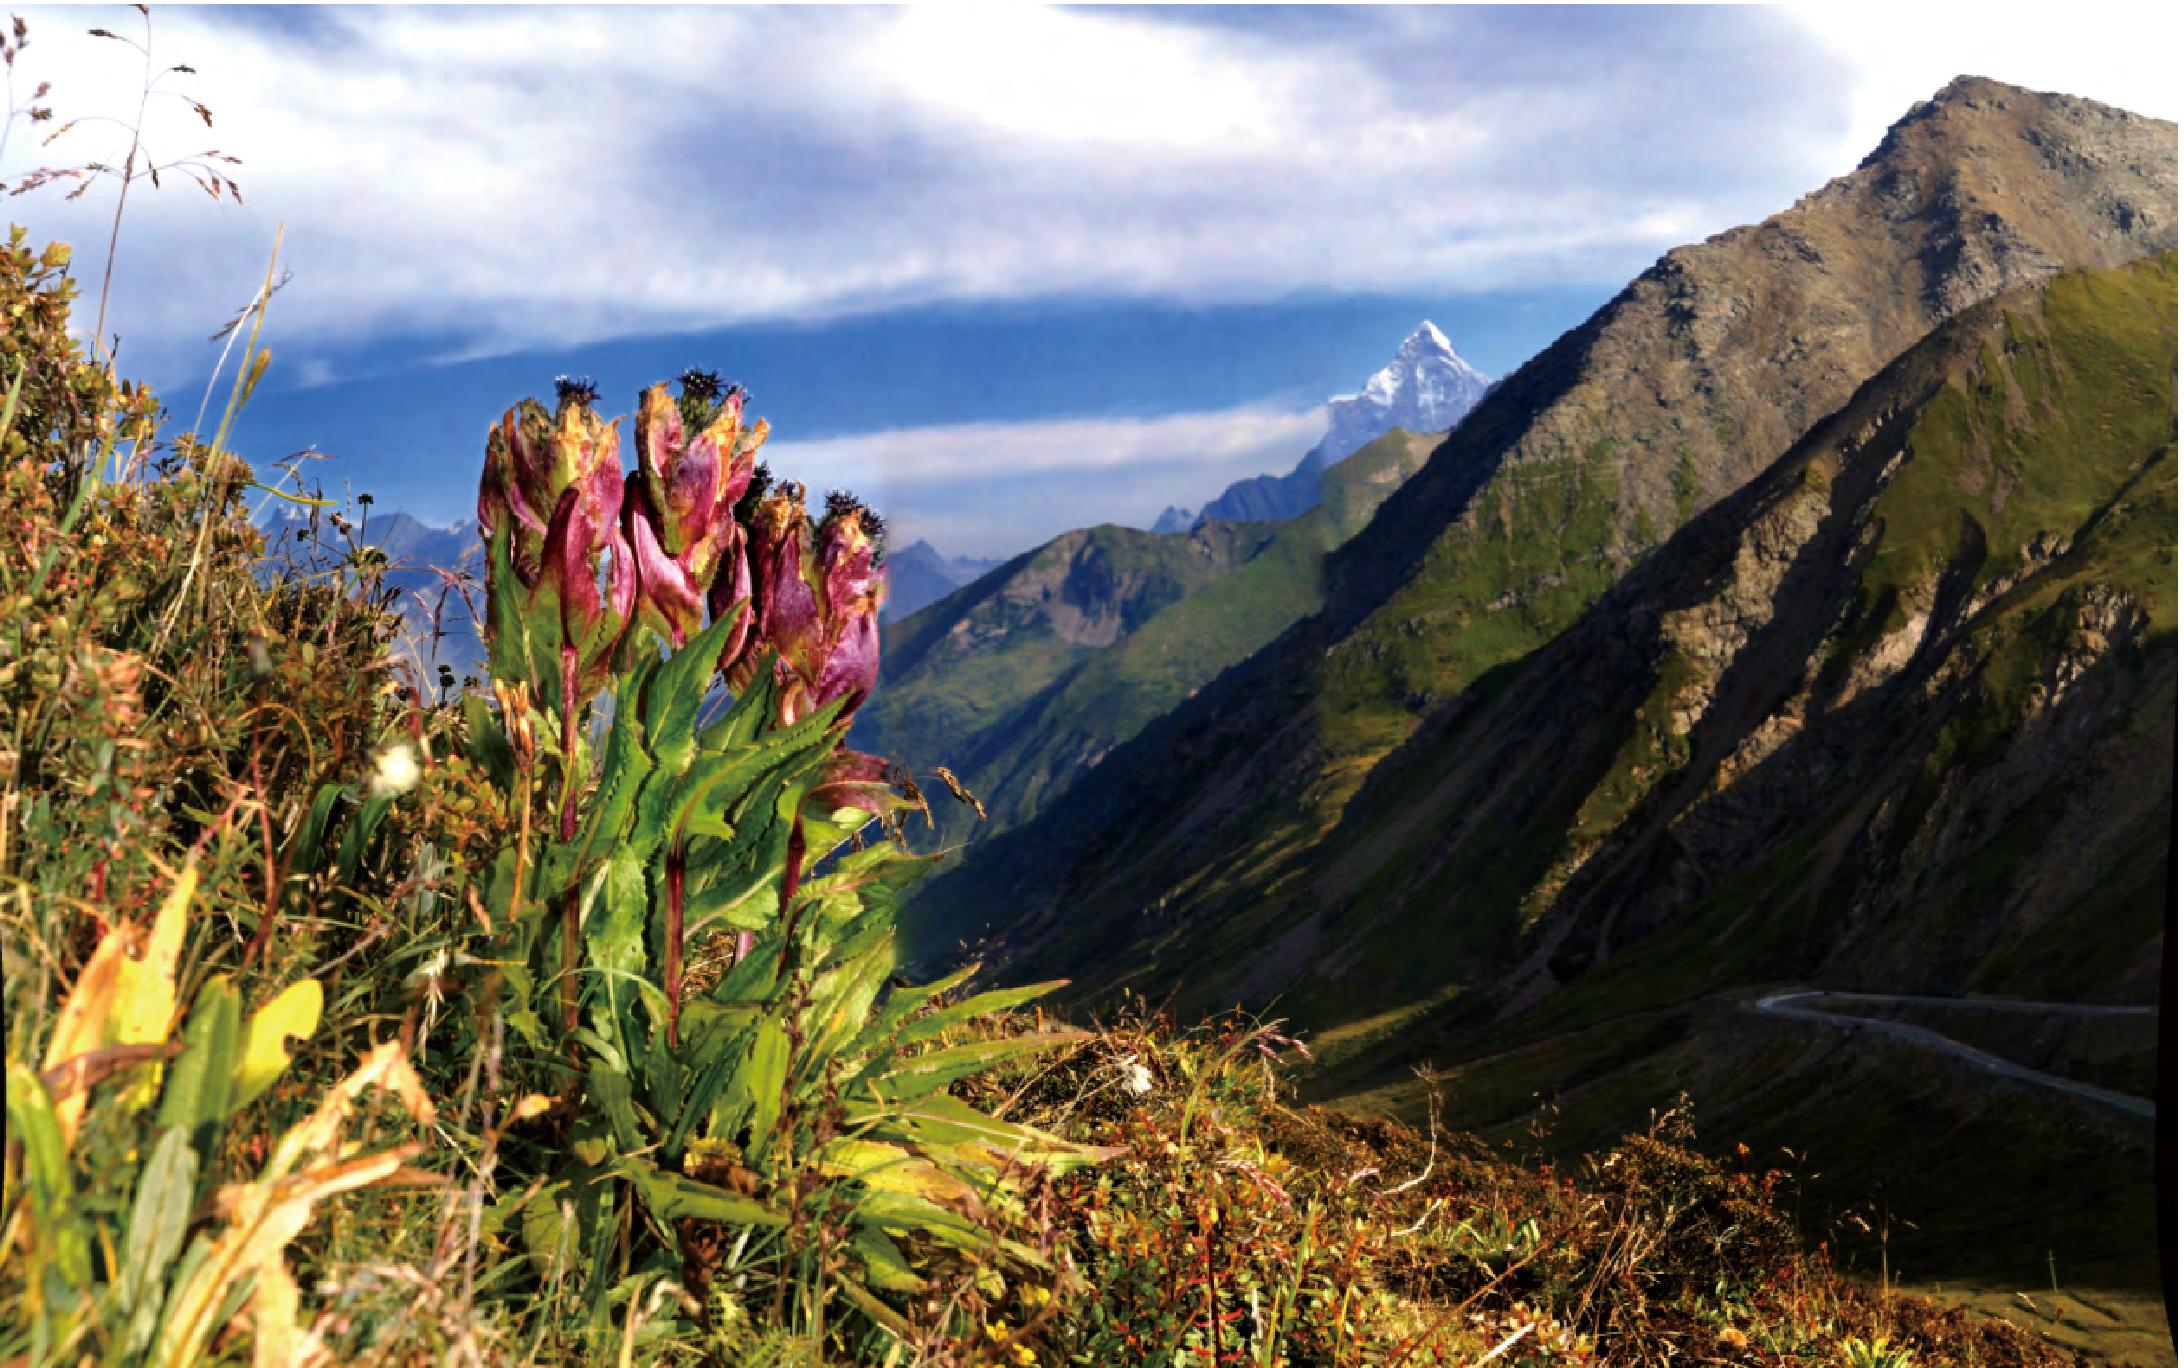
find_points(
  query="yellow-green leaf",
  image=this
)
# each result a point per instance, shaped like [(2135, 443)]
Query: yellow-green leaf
[(144, 988), (294, 1014)]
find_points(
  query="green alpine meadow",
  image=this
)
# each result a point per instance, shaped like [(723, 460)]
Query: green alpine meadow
[(745, 710)]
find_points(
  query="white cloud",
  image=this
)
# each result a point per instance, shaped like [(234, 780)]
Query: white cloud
[(487, 180), (474, 181), (995, 488), (2120, 54), (1071, 79)]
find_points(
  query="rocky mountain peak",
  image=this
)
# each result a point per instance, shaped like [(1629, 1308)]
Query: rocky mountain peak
[(1425, 387), (1174, 519)]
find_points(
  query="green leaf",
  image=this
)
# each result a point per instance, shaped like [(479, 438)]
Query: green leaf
[(723, 1061), (165, 1195), (673, 1197), (610, 1089), (972, 1008), (952, 1132), (489, 742), (752, 979), (565, 1222), (614, 934), (753, 710), (748, 903), (661, 1075), (880, 871), (671, 702), (311, 836), (922, 1075), (622, 771), (199, 1087), (726, 872), (33, 1123), (902, 1003), (514, 651), (358, 835), (884, 1265), (842, 996), (720, 794), (902, 1214), (760, 1083), (881, 1313)]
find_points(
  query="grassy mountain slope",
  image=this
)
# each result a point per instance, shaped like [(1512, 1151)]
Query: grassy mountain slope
[(1900, 716), (1025, 679), (1208, 831), (963, 666)]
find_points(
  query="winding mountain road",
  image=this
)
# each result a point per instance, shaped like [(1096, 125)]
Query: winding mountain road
[(1808, 1005)]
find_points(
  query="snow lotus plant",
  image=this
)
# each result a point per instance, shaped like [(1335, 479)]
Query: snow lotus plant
[(788, 1108)]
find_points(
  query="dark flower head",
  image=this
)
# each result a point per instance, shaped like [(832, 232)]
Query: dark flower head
[(761, 485), (705, 397), (841, 504), (575, 389), (705, 386)]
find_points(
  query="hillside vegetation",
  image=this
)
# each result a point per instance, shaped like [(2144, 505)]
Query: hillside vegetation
[(1025, 679)]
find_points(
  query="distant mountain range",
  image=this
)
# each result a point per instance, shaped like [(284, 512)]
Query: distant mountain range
[(438, 623), (1425, 387), (1806, 616), (1222, 825), (1021, 681), (918, 574)]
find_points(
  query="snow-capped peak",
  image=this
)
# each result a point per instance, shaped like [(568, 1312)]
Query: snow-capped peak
[(1426, 387)]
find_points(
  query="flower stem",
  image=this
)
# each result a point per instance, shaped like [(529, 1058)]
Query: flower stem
[(569, 932), (674, 944), (791, 875), (568, 743)]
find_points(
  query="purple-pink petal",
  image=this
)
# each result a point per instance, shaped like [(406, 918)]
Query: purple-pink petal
[(731, 592), (664, 586), (852, 664), (857, 780)]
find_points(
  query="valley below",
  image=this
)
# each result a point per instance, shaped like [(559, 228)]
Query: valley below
[(1900, 1133)]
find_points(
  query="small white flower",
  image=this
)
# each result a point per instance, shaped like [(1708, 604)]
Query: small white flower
[(1136, 1077), (395, 771)]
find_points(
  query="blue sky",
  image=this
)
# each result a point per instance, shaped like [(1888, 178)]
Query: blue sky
[(1009, 269)]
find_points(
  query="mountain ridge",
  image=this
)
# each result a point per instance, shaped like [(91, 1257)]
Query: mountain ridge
[(919, 574), (1023, 681), (1681, 389)]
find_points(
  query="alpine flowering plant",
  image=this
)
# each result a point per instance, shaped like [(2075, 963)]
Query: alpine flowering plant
[(779, 1113)]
